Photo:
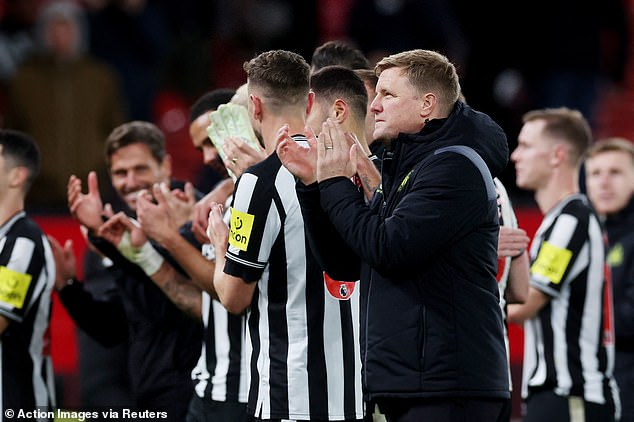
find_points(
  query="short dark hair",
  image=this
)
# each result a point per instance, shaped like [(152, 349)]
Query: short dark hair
[(339, 53), (136, 132), (210, 100), (21, 150), (282, 75), (332, 82)]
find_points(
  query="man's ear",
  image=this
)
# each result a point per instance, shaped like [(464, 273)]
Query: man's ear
[(428, 105), (560, 154), (311, 101), (257, 107), (340, 110), (18, 176)]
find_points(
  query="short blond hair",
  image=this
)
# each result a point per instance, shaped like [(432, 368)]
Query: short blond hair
[(613, 144), (567, 125), (427, 71)]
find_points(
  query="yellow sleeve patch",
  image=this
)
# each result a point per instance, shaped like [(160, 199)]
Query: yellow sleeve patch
[(551, 262), (13, 287), (240, 229)]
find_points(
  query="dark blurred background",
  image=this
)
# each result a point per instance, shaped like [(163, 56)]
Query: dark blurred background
[(511, 56)]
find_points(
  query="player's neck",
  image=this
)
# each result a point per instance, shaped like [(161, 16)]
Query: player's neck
[(358, 130), (10, 207), (555, 191), (269, 129)]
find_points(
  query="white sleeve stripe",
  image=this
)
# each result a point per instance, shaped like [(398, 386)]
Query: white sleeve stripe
[(244, 194), (21, 255), (563, 231), (234, 258)]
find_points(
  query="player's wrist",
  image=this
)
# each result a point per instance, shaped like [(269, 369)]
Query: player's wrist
[(67, 283), (145, 256), (149, 259), (519, 254)]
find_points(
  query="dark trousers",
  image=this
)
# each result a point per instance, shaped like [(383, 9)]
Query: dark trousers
[(444, 409), (548, 406), (207, 410), (173, 401)]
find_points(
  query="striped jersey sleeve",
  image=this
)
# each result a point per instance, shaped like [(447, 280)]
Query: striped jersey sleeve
[(27, 275), (24, 275), (255, 223), (565, 247)]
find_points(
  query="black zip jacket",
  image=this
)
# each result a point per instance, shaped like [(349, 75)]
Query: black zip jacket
[(431, 325), (620, 228)]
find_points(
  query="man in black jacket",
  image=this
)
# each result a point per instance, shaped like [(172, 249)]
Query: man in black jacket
[(610, 183), (162, 339), (432, 337)]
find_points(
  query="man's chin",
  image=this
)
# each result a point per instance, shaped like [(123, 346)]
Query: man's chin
[(385, 140), (131, 199), (131, 204)]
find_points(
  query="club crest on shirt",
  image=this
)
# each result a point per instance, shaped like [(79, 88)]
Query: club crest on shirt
[(240, 229), (341, 290)]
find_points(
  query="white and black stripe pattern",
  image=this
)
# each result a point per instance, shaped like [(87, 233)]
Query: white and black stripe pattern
[(220, 374), (25, 359), (302, 342), (569, 347), (507, 219)]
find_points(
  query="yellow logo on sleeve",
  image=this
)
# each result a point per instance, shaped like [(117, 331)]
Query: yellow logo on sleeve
[(551, 262), (240, 229), (13, 287)]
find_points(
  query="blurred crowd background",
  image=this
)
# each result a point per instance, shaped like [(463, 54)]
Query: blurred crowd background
[(149, 60)]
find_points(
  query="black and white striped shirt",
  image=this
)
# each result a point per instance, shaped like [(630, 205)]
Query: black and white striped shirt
[(27, 276), (569, 345), (220, 374), (304, 358), (507, 219)]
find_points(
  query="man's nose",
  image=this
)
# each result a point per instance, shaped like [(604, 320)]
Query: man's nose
[(131, 179), (375, 105)]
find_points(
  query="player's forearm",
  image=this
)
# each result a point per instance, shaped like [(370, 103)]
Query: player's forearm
[(180, 290), (4, 323), (370, 180), (519, 276), (199, 268)]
